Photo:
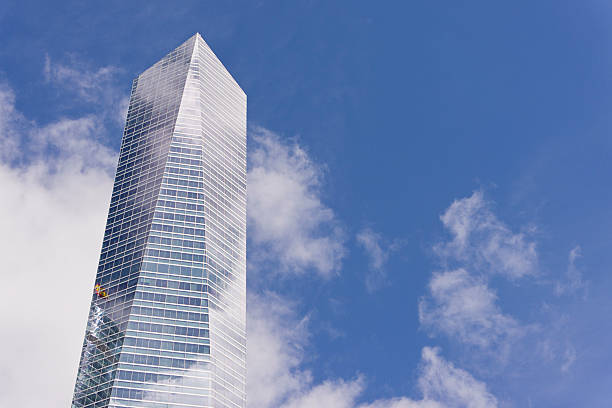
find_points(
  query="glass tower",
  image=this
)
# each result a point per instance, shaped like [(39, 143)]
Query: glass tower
[(167, 323)]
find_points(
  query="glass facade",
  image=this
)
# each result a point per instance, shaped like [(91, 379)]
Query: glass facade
[(167, 323)]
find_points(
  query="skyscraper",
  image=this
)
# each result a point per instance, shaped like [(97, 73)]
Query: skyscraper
[(167, 323)]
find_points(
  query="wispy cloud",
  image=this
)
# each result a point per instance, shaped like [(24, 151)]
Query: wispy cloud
[(96, 87), (483, 241), (441, 381), (573, 280), (460, 304), (443, 386), (290, 228), (12, 124), (463, 307), (88, 84), (378, 251), (569, 357)]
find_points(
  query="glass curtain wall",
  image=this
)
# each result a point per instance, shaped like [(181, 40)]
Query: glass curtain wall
[(167, 325)]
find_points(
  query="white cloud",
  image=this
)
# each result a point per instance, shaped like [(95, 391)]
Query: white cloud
[(485, 242), (453, 387), (275, 340), (71, 142), (403, 402), (573, 277), (290, 228), (371, 242), (56, 187), (443, 386), (464, 307), (378, 252), (459, 303), (333, 394)]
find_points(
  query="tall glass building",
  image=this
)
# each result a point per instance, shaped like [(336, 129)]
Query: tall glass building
[(166, 326)]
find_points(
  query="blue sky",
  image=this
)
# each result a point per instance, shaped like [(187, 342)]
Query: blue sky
[(429, 203)]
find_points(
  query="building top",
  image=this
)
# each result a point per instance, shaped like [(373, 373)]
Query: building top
[(196, 40)]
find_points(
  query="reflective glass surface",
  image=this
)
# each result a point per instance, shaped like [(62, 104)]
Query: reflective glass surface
[(167, 324)]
